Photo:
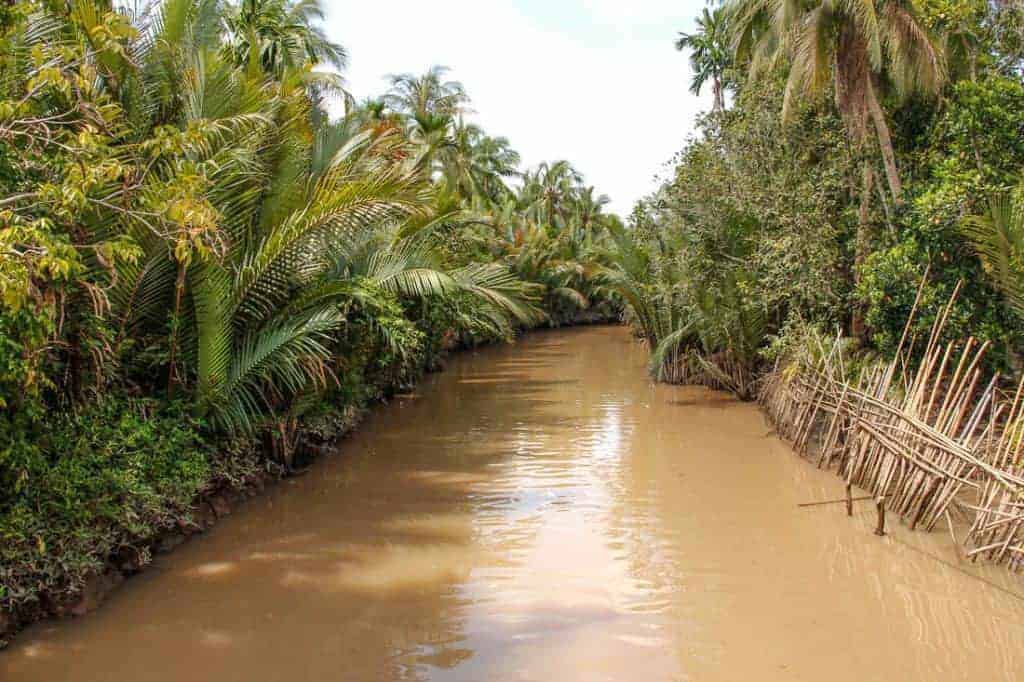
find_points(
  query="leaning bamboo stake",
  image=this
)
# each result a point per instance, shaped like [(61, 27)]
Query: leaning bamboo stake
[(917, 440)]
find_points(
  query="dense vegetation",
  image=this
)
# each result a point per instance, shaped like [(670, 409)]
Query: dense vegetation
[(202, 270), (212, 256), (850, 147)]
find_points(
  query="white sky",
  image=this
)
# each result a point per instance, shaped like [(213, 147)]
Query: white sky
[(597, 82)]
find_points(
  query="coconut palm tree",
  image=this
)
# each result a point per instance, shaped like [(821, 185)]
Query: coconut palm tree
[(280, 35), (429, 94), (589, 214), (548, 192), (710, 55), (476, 164), (857, 49)]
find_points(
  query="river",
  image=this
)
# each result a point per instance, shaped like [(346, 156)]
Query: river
[(542, 511)]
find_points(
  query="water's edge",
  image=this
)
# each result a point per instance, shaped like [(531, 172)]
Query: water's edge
[(206, 510)]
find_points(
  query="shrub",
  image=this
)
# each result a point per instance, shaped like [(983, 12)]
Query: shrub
[(89, 484)]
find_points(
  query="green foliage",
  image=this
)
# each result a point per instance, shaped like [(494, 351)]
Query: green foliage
[(278, 35), (23, 333), (701, 324), (751, 230), (976, 145), (889, 284), (998, 238), (773, 220), (77, 487), (967, 160)]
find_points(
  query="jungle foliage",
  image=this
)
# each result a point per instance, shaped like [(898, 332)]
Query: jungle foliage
[(857, 145)]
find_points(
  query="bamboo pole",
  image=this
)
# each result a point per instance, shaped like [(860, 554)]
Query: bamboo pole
[(916, 440)]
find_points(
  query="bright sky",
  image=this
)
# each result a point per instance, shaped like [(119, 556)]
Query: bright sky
[(597, 82)]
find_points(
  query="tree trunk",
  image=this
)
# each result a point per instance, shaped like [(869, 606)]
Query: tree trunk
[(885, 144), (716, 89), (857, 326)]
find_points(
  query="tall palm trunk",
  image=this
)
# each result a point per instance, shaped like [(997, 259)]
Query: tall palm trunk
[(884, 142)]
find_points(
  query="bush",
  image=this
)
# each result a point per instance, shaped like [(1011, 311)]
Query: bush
[(89, 484)]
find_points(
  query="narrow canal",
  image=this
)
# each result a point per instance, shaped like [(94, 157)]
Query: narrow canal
[(544, 512)]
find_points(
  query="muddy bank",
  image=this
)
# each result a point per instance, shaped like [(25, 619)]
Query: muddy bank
[(132, 559), (208, 508)]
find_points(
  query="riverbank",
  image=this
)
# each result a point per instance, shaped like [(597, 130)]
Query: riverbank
[(120, 552), (109, 547)]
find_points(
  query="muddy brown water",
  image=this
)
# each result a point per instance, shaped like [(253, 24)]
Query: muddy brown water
[(543, 512)]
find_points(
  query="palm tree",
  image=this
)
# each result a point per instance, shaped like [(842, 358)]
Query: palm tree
[(700, 328), (431, 107), (855, 48), (538, 257), (280, 35), (285, 229), (548, 192), (429, 94), (432, 132), (998, 239), (476, 165), (242, 237), (589, 212), (710, 55)]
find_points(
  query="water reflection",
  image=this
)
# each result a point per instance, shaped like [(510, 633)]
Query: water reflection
[(544, 512)]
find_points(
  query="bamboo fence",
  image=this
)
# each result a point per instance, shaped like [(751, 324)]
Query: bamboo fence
[(926, 443)]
